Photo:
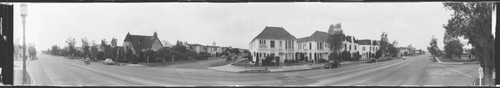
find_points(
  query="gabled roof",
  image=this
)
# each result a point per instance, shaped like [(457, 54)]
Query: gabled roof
[(275, 33), (317, 36), (365, 42), (140, 41)]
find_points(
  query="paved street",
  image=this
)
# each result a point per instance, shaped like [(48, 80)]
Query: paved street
[(418, 70)]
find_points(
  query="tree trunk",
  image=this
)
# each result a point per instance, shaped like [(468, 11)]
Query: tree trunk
[(486, 59)]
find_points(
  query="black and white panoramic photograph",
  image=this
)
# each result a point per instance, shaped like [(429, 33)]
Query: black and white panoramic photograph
[(249, 44)]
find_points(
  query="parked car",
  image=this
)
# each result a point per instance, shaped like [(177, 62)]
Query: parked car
[(332, 64), (372, 60), (108, 61)]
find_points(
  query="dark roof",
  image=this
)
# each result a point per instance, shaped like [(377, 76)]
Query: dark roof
[(194, 44), (375, 42), (141, 42), (348, 38), (304, 39), (275, 33), (317, 36), (364, 42)]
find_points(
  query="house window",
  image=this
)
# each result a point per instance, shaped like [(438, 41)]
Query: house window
[(326, 45), (304, 46), (310, 47), (363, 48), (300, 47), (350, 48), (355, 47), (281, 44), (287, 44), (262, 43), (317, 45), (345, 47), (272, 44)]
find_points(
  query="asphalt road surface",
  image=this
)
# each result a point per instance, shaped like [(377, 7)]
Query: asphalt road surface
[(417, 70)]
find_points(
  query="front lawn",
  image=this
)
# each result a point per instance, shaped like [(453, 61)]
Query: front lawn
[(446, 59), (243, 63), (246, 63), (222, 63)]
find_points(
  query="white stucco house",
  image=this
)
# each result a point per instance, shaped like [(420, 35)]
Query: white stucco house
[(273, 41)]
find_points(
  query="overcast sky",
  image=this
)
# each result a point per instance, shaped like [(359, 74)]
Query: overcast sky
[(229, 24)]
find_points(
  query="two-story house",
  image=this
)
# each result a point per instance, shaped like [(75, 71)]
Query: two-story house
[(314, 47), (273, 41), (140, 43)]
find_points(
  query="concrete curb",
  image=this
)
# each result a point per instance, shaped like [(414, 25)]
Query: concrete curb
[(474, 82), (227, 68)]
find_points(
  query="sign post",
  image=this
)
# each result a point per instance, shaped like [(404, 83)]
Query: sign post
[(480, 75)]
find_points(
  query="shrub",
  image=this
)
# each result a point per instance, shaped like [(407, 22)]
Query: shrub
[(203, 56)]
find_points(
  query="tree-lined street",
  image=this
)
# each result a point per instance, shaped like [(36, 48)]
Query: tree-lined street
[(418, 70)]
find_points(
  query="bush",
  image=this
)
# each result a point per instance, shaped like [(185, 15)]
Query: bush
[(203, 56), (249, 57), (228, 58)]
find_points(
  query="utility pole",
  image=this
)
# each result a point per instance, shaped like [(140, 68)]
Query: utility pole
[(24, 13)]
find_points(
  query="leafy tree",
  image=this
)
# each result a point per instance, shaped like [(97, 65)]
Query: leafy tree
[(392, 50), (335, 41), (85, 47), (453, 48), (433, 48), (235, 51), (114, 48), (180, 47), (71, 46), (55, 50), (473, 21), (384, 44), (94, 50), (32, 50), (106, 49), (378, 54), (166, 43)]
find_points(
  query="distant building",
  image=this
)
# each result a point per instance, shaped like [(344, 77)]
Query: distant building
[(196, 47), (140, 43), (467, 55)]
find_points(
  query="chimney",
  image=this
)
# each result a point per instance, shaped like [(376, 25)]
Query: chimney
[(155, 35)]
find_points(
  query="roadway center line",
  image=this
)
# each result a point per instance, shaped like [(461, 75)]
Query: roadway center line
[(456, 71)]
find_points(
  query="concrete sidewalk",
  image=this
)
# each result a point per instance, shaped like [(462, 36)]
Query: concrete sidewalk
[(18, 73), (242, 69)]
